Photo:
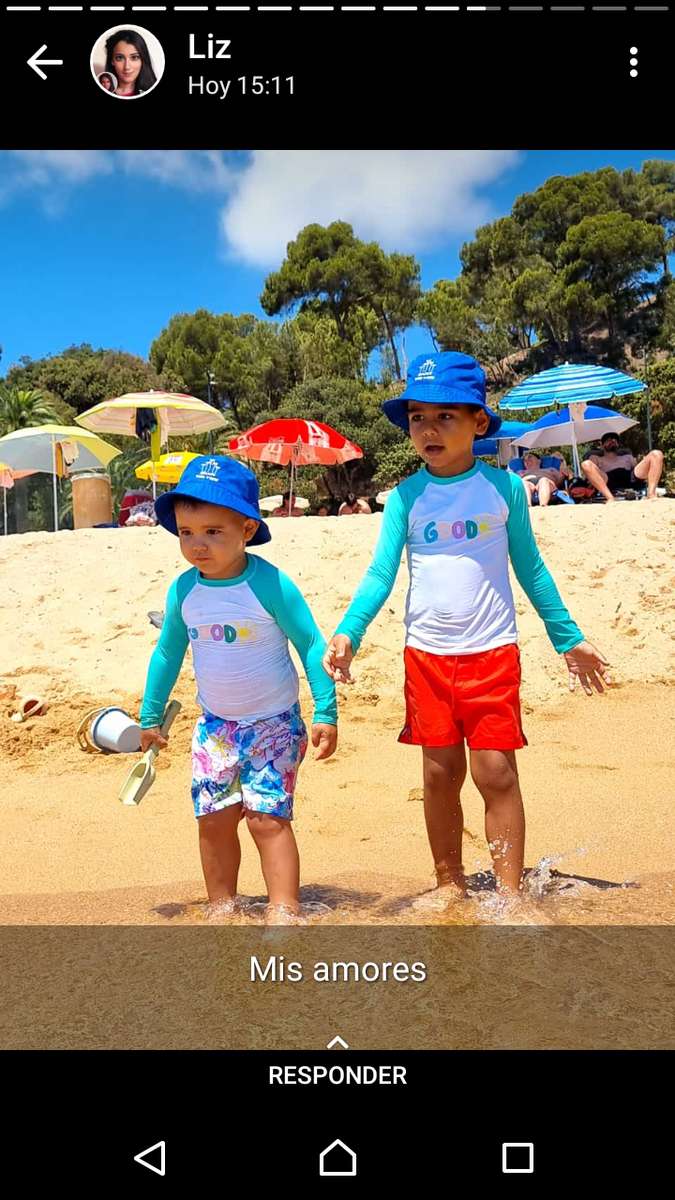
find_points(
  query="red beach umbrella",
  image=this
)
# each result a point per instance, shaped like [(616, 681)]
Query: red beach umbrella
[(295, 441)]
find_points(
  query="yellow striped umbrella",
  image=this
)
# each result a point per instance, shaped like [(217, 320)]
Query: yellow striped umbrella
[(176, 414)]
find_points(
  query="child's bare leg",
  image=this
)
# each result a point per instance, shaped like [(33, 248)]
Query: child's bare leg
[(444, 773), (495, 774), (220, 852), (279, 858)]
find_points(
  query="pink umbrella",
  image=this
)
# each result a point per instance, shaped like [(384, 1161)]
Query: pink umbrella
[(8, 478), (295, 441)]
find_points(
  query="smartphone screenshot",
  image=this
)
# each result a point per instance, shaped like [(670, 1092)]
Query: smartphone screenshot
[(337, 460)]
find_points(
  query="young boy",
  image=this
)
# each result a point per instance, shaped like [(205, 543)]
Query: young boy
[(238, 611), (460, 521)]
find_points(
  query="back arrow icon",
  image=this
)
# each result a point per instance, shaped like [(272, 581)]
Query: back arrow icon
[(142, 1158), (44, 62)]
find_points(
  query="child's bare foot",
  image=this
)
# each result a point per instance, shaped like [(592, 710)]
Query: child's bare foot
[(451, 883), (283, 914), (449, 887)]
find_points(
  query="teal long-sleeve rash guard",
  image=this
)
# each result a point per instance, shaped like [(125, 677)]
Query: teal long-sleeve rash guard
[(239, 631), (459, 532)]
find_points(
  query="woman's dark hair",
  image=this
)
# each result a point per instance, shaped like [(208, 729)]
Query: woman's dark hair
[(146, 77), (350, 499)]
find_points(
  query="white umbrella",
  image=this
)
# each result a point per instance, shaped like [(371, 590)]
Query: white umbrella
[(35, 449), (575, 424), (269, 503)]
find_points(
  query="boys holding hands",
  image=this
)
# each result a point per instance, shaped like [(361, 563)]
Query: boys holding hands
[(460, 521)]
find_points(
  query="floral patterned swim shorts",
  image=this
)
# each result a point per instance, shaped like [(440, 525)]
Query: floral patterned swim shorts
[(254, 764)]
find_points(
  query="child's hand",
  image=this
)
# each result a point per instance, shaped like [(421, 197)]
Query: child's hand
[(325, 737), (152, 737), (338, 657), (587, 664)]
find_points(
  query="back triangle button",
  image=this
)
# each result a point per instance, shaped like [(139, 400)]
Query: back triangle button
[(154, 1158)]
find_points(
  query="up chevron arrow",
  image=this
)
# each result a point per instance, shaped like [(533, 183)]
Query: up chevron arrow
[(36, 62), (337, 1041)]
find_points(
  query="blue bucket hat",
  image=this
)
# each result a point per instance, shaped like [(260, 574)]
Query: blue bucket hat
[(447, 378), (215, 479)]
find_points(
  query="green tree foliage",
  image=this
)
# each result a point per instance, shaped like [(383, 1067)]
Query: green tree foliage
[(81, 377), (577, 255), (321, 350), (330, 272), (21, 408), (456, 323), (253, 362), (660, 379), (615, 255)]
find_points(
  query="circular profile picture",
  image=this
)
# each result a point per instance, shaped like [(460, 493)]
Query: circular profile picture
[(127, 62)]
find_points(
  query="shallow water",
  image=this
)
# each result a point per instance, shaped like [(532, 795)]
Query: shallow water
[(550, 896)]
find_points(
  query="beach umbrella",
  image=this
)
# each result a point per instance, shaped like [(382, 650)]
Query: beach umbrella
[(509, 431), (52, 448), (167, 469), (575, 424), (161, 414), (568, 384), (269, 503), (8, 478), (298, 442)]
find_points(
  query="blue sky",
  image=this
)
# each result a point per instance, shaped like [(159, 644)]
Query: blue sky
[(103, 247)]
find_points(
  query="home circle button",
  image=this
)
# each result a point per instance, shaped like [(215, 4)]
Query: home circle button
[(337, 1159)]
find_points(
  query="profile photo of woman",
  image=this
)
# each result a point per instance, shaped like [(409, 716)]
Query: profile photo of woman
[(108, 81), (128, 57)]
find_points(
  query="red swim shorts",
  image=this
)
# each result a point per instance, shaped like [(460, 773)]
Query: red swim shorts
[(450, 697)]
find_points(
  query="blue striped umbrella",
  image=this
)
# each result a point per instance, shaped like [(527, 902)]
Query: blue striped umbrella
[(568, 384)]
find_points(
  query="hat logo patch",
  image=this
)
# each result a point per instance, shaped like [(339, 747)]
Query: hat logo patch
[(209, 470), (426, 370)]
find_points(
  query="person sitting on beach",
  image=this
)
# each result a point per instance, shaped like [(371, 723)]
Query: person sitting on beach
[(238, 612), (353, 505), (283, 509), (541, 481), (460, 521), (142, 514), (616, 469)]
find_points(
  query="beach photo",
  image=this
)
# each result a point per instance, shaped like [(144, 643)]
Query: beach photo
[(222, 703)]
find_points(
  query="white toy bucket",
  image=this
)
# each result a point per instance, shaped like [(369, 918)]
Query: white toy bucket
[(114, 730)]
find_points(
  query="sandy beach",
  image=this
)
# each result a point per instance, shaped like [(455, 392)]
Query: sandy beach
[(598, 775)]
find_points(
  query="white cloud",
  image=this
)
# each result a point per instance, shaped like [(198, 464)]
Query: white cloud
[(190, 170), (70, 166), (408, 200), (405, 199), (50, 175)]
